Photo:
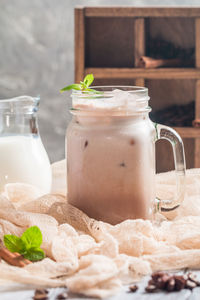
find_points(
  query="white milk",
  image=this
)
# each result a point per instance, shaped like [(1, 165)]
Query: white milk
[(24, 159)]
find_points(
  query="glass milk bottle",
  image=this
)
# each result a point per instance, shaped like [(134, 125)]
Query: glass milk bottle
[(22, 154), (111, 155)]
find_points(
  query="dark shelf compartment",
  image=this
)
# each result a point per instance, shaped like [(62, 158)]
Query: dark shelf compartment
[(109, 42), (171, 38), (175, 115)]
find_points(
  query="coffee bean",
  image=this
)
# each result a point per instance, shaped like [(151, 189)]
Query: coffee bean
[(133, 288), (193, 277), (41, 291), (156, 275), (151, 282), (190, 284), (170, 285), (180, 282), (41, 294), (61, 296), (160, 280), (151, 288), (159, 283)]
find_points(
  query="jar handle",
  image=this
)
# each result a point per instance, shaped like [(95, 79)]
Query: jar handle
[(169, 134)]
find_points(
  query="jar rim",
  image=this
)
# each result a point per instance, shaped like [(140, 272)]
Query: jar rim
[(106, 91), (20, 105), (111, 99), (34, 100)]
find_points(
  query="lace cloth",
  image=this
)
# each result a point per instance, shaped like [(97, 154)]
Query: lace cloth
[(92, 257)]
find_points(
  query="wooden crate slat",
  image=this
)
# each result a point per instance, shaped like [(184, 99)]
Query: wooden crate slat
[(161, 73), (197, 153), (140, 82), (99, 11), (188, 132), (139, 39), (79, 44), (197, 96), (197, 42), (197, 116)]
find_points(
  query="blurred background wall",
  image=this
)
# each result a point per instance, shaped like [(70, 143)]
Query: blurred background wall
[(37, 57)]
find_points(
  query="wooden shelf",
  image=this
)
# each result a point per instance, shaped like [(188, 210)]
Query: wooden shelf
[(109, 42), (188, 132), (131, 73), (100, 11)]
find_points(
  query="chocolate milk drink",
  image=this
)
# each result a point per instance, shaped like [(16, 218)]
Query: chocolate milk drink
[(111, 155)]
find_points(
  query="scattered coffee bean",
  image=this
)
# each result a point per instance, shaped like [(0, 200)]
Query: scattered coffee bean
[(170, 285), (193, 277), (41, 294), (123, 165), (159, 283), (133, 288), (150, 288), (190, 284), (151, 282), (61, 296), (179, 282), (41, 291), (162, 281), (157, 275), (171, 282)]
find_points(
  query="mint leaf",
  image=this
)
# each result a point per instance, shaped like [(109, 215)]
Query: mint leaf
[(93, 91), (14, 244), (28, 244), (71, 87), (32, 237), (88, 80), (82, 86), (34, 254)]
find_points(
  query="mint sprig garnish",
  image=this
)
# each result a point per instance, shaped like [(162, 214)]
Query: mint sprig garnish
[(27, 245), (82, 86)]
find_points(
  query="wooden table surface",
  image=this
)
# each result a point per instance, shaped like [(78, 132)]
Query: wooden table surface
[(19, 292)]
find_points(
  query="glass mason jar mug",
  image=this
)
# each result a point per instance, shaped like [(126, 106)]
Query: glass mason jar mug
[(111, 155), (22, 155)]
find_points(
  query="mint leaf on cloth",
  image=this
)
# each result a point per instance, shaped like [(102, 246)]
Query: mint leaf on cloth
[(27, 245), (34, 254), (32, 237), (14, 244)]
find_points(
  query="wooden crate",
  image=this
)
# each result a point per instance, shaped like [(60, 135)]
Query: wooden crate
[(109, 42)]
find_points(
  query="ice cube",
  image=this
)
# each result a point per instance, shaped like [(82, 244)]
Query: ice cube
[(124, 98)]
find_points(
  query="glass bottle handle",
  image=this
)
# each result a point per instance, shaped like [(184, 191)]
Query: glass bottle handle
[(169, 134)]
